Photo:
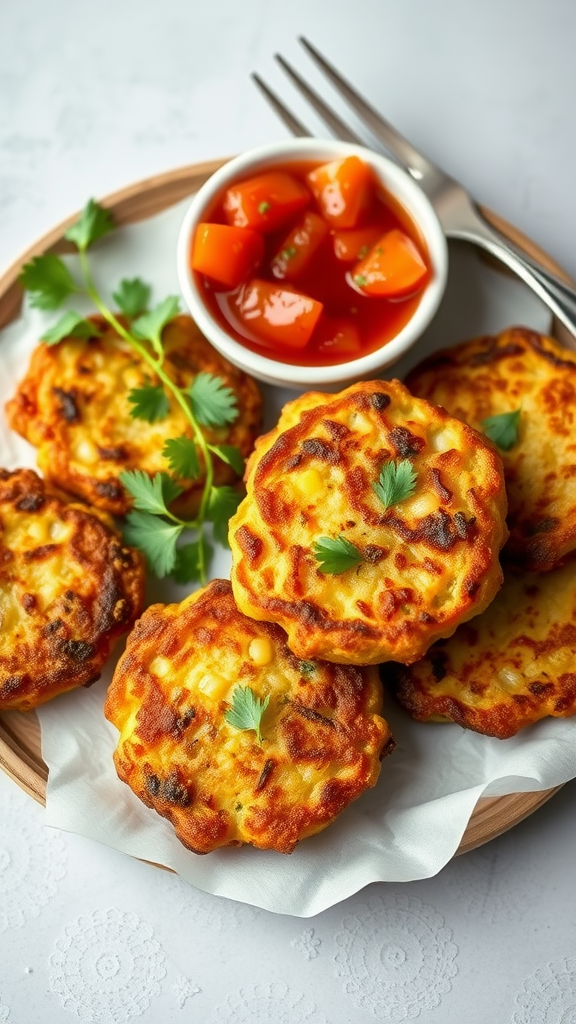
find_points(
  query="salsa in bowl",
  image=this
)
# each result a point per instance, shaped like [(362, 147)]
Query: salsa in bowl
[(312, 262)]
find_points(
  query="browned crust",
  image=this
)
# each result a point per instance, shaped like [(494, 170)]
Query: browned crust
[(67, 398), (390, 613), (519, 368), (510, 667), (95, 586), (323, 734)]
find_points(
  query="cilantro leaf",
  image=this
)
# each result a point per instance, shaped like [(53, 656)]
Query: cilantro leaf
[(222, 504), (213, 403), (49, 281), (187, 568), (397, 482), (503, 430), (150, 325), (132, 296), (150, 403), (151, 494), (247, 710), (229, 454), (155, 538), (93, 223), (336, 556), (182, 457), (70, 325)]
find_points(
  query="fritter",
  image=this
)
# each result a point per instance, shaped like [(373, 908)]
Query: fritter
[(427, 563), (322, 734), (519, 369), (515, 664), (73, 406), (68, 589)]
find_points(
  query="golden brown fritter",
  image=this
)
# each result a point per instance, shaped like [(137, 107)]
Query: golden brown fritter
[(68, 589), (429, 562), (322, 734), (515, 664), (494, 375), (73, 406)]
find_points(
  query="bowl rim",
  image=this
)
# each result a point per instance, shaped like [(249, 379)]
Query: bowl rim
[(396, 180)]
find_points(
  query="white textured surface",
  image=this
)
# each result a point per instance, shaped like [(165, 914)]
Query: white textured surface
[(93, 96)]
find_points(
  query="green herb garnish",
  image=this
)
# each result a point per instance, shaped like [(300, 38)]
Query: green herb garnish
[(263, 207), (307, 667), (360, 280), (181, 455), (336, 556), (149, 403), (132, 297), (397, 481), (289, 253), (503, 430), (48, 280), (247, 710), (207, 402), (70, 325)]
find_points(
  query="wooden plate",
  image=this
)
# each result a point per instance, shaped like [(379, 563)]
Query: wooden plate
[(20, 741)]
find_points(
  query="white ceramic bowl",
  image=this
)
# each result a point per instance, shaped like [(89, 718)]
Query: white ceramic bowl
[(395, 181)]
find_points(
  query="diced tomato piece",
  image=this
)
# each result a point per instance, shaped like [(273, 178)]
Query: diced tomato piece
[(225, 254), (353, 245), (338, 336), (277, 314), (342, 190), (265, 202), (393, 267), (299, 248)]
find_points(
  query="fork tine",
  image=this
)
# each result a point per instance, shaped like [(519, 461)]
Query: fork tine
[(295, 126), (340, 129), (403, 150)]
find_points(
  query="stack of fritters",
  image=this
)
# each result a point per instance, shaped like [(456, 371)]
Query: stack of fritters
[(517, 662), (425, 565)]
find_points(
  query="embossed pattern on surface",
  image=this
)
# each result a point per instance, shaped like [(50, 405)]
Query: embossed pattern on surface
[(262, 1003), (549, 995), (29, 871), (107, 966), (395, 957)]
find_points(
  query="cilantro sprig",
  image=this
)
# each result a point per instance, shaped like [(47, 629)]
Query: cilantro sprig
[(504, 429), (336, 555), (247, 710), (208, 402), (397, 481)]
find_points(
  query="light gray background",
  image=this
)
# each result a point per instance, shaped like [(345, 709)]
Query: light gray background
[(96, 95)]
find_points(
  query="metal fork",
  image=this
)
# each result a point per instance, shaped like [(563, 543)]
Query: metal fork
[(458, 213)]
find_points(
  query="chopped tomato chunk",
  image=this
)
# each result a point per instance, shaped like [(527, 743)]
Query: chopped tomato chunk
[(227, 255), (392, 267), (353, 245), (265, 202), (338, 336), (277, 314), (298, 249), (342, 190)]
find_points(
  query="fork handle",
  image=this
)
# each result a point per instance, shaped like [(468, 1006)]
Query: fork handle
[(527, 261)]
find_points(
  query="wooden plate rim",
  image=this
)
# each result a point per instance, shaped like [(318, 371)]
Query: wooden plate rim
[(20, 739)]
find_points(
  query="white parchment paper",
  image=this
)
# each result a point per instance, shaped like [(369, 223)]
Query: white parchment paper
[(406, 828)]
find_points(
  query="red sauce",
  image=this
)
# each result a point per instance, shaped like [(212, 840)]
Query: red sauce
[(374, 320)]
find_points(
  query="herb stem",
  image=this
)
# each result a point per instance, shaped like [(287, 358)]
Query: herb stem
[(156, 366)]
